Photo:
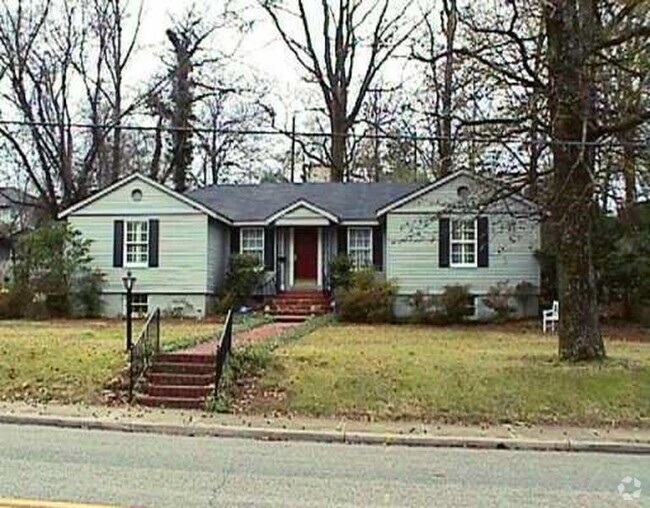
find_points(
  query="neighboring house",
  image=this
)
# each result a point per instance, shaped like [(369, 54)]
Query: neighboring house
[(423, 237), (16, 217)]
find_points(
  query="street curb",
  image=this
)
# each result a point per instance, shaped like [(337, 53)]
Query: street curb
[(326, 436)]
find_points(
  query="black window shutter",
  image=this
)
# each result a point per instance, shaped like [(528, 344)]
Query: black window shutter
[(342, 240), (154, 242), (483, 242), (443, 248), (269, 248), (234, 240), (118, 243), (378, 248)]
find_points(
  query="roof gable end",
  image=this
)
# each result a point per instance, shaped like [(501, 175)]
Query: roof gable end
[(148, 182), (442, 182)]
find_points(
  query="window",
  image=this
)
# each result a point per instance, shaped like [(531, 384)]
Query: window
[(136, 244), (139, 305), (252, 242), (136, 195), (463, 242), (360, 247)]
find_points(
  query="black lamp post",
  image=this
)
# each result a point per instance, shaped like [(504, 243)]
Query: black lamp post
[(129, 281)]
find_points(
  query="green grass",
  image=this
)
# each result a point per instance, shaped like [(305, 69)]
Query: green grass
[(472, 375), (71, 361)]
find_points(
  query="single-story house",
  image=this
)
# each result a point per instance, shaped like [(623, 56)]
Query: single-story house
[(422, 236)]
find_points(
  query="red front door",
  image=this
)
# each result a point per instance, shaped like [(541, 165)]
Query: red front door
[(305, 241)]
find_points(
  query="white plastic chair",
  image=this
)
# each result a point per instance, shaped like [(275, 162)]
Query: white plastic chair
[(551, 316)]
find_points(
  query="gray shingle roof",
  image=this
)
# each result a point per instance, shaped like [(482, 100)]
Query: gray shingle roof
[(348, 201)]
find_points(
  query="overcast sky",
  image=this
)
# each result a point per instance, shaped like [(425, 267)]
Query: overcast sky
[(261, 49)]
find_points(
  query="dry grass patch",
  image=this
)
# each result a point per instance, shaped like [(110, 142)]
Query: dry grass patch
[(464, 374), (71, 361)]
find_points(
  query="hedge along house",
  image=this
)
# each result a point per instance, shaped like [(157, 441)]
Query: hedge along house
[(425, 237)]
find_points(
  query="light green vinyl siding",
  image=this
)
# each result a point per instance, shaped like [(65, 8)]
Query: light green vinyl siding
[(218, 253), (182, 253), (413, 242), (188, 305), (182, 246), (154, 202)]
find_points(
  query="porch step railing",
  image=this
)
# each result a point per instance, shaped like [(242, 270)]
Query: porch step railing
[(224, 347), (144, 350)]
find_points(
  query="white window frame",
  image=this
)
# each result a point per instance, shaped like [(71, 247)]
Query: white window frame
[(243, 250), (463, 242), (370, 247), (136, 264), (139, 305)]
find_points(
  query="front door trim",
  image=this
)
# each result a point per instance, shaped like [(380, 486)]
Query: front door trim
[(291, 258), (292, 261), (319, 260)]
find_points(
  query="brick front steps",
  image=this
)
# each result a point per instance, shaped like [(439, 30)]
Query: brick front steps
[(178, 380), (300, 305)]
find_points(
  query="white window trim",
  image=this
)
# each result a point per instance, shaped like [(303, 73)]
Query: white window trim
[(138, 264), (371, 247), (146, 295), (452, 241), (241, 241)]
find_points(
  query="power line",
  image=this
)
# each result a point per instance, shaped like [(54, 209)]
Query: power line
[(415, 138)]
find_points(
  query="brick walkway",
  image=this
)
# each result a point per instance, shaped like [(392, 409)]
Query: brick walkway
[(260, 333)]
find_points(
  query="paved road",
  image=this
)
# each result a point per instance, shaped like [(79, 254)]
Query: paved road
[(153, 470)]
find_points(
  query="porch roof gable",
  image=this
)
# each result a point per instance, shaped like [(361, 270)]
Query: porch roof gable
[(302, 204)]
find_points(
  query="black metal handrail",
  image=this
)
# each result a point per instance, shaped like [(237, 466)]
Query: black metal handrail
[(224, 346), (268, 285), (144, 349), (326, 279)]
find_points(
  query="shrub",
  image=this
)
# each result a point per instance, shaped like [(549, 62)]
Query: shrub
[(424, 308), (341, 272), (455, 303), (87, 294), (498, 300), (243, 276), (17, 302), (367, 300), (46, 263)]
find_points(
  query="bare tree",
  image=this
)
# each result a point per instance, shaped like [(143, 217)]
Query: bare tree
[(547, 62), (203, 105), (449, 17), (186, 39), (331, 53), (48, 49)]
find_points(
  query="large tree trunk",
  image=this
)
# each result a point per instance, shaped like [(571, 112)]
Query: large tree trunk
[(339, 133), (570, 26), (629, 169), (445, 147)]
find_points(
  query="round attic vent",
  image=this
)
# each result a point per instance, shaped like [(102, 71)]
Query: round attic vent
[(136, 195), (463, 192)]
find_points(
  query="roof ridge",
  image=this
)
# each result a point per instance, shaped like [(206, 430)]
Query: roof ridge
[(303, 184)]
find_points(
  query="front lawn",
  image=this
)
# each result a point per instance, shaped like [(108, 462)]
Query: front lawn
[(72, 361), (456, 374)]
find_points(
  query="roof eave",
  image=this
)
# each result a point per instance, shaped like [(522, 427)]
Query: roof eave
[(138, 176)]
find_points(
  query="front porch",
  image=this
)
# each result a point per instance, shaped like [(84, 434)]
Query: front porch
[(298, 244), (302, 257)]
